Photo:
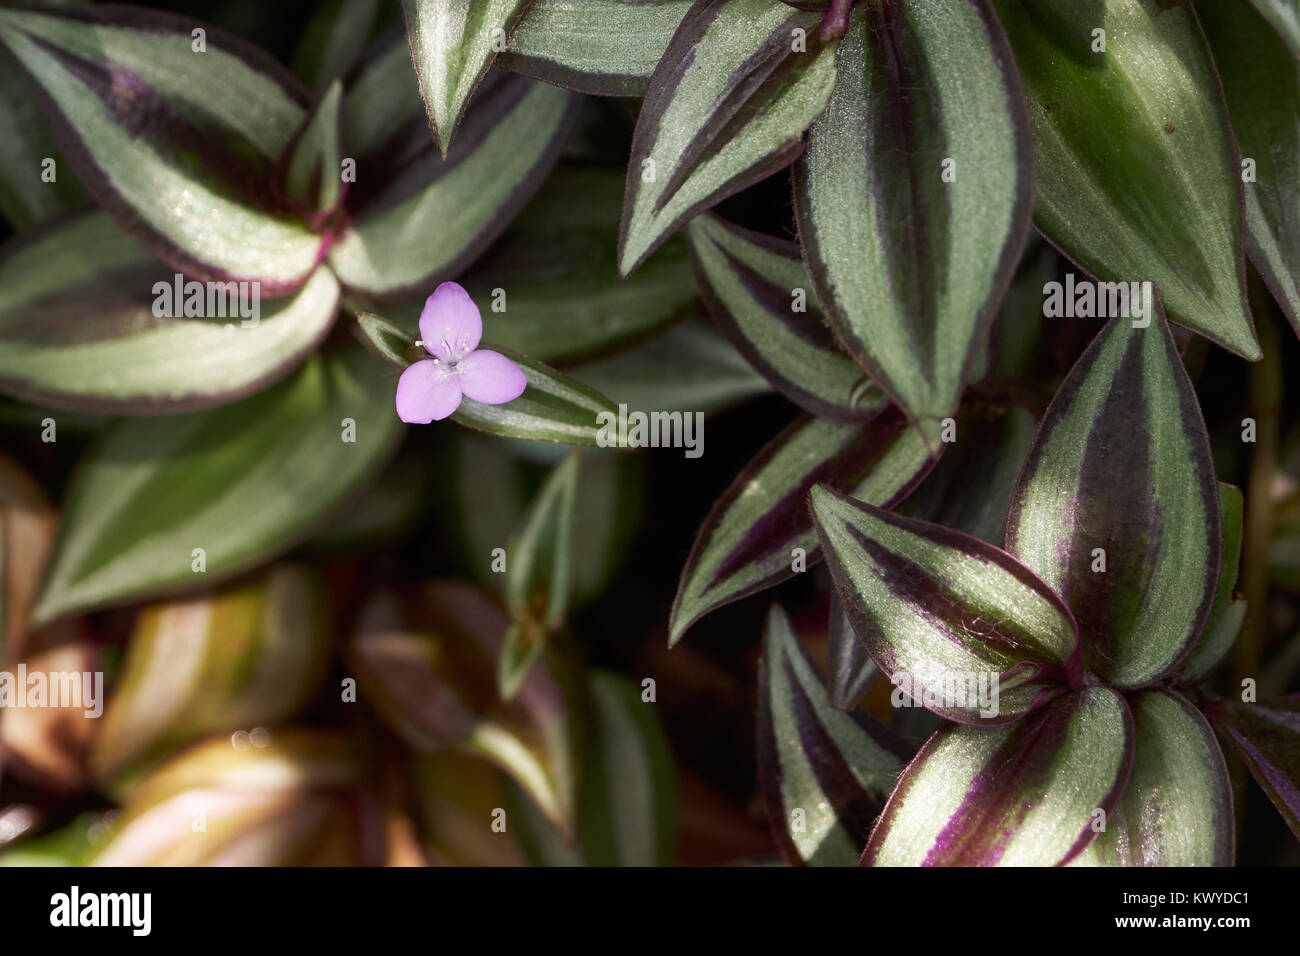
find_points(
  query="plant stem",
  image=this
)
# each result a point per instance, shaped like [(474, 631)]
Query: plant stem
[(836, 22)]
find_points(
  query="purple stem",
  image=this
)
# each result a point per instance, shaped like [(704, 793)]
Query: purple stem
[(836, 23)]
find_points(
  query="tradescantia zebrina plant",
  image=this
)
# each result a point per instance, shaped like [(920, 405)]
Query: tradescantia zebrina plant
[(1058, 658), (941, 277)]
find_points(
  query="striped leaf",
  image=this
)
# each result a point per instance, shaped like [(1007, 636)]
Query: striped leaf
[(852, 671), (175, 144), (1261, 82), (759, 293), (250, 655), (539, 574), (1267, 739), (313, 175), (1284, 15), (1137, 169), (690, 368), (453, 43), (1228, 613), (80, 325), (299, 800), (727, 105), (1117, 508), (1020, 795), (243, 482), (914, 196), (395, 346), (561, 298), (628, 787), (760, 530), (602, 47), (418, 218), (553, 407), (1177, 806), (427, 663), (956, 624), (825, 774)]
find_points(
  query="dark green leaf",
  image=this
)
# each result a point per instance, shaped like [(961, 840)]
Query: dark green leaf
[(852, 671), (243, 483), (1261, 81), (1137, 169), (539, 574), (987, 455), (418, 218), (691, 368), (560, 296)]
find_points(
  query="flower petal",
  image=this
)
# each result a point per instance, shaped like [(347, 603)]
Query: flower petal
[(426, 393), (491, 378), (450, 324)]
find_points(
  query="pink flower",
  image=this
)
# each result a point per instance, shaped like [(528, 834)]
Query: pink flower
[(450, 329)]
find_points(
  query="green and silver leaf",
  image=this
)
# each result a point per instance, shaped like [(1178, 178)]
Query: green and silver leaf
[(453, 43), (1177, 805), (957, 624), (1021, 795), (602, 47), (1117, 507), (81, 325), (915, 194), (825, 774), (176, 143), (760, 531), (760, 294), (727, 105)]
